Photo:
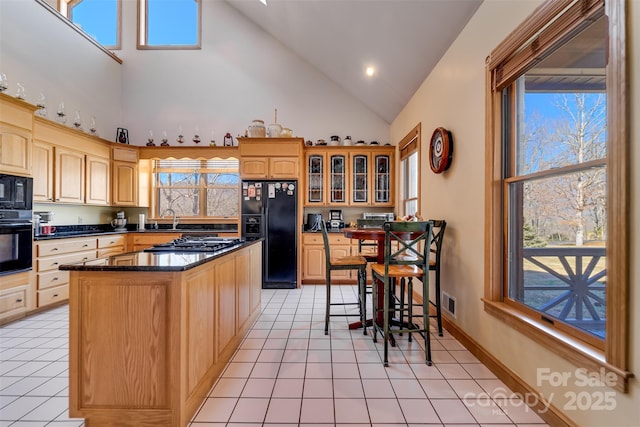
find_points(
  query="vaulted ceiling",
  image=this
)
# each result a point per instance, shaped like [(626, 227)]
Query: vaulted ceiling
[(402, 39)]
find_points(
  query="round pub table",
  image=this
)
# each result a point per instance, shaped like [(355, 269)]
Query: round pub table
[(377, 234)]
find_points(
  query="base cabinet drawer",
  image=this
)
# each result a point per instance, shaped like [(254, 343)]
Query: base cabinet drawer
[(13, 301), (52, 278), (111, 241), (64, 246), (116, 250), (53, 295), (52, 263)]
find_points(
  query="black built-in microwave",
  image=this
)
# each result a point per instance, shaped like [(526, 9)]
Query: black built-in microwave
[(16, 192)]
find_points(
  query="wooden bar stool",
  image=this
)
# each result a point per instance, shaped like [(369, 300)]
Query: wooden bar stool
[(344, 263)]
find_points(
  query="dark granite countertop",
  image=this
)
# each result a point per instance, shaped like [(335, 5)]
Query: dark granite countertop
[(153, 261), (329, 230), (66, 231)]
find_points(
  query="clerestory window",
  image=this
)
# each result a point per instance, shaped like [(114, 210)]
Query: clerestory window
[(99, 19), (169, 24)]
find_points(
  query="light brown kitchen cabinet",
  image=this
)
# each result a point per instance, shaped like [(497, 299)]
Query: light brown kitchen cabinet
[(16, 126), (69, 176), (52, 284), (270, 158), (15, 150), (69, 165), (316, 172), (59, 174), (98, 184), (43, 171), (16, 292), (313, 258), (112, 244), (140, 241), (125, 176), (125, 184), (349, 176)]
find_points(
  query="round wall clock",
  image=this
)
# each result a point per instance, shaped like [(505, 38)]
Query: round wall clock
[(440, 150)]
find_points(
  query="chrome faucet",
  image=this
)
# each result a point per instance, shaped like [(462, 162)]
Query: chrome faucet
[(176, 220)]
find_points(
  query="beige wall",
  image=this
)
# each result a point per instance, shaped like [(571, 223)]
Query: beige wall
[(453, 96)]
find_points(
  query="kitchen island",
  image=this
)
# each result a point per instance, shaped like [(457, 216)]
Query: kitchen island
[(151, 332)]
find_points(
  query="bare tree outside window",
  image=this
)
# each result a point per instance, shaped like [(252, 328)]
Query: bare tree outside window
[(197, 188), (557, 194)]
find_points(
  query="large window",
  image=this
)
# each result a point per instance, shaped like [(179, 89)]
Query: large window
[(558, 142), (169, 24), (410, 173), (100, 19), (197, 188)]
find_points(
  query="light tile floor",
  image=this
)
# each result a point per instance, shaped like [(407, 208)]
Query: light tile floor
[(286, 372)]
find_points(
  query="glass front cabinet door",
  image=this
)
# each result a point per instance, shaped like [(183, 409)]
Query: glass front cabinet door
[(315, 175), (338, 179), (360, 177), (382, 179)]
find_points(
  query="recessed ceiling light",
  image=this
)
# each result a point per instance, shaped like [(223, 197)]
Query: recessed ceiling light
[(370, 71), (264, 2)]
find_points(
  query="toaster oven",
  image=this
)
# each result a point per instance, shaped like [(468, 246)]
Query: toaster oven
[(386, 216)]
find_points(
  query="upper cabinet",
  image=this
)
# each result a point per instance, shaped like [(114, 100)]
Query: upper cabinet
[(349, 176), (270, 158), (125, 176), (69, 166), (16, 125)]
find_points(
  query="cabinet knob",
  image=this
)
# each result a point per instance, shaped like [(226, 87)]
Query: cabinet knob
[(54, 279), (19, 300), (55, 295), (55, 249), (55, 263), (85, 258)]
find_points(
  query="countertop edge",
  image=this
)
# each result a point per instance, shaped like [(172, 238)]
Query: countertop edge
[(204, 258)]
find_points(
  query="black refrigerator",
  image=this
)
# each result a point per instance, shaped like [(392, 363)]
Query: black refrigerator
[(270, 211)]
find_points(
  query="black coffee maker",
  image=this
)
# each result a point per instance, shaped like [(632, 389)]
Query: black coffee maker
[(314, 222)]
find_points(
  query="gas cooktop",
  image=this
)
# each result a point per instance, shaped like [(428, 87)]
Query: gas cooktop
[(195, 244)]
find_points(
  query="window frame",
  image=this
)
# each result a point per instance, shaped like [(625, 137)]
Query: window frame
[(410, 144), (143, 27), (202, 188), (66, 6), (546, 28)]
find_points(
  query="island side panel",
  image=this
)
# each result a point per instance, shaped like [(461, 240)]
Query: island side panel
[(199, 290), (123, 346), (192, 314)]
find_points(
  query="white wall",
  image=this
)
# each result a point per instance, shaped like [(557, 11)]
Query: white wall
[(240, 74), (47, 56), (453, 96)]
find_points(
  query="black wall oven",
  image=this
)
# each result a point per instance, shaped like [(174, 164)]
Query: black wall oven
[(16, 223), (16, 241)]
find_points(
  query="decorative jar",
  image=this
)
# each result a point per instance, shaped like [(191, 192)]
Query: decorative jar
[(257, 129)]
